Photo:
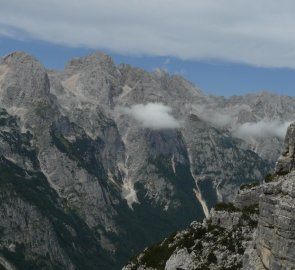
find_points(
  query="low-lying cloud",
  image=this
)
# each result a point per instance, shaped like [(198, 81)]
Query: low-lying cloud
[(262, 129), (155, 116), (217, 119)]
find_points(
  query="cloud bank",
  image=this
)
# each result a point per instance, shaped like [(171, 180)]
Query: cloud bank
[(155, 116), (254, 32), (262, 129)]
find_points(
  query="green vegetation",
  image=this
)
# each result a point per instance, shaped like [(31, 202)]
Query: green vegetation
[(193, 238), (211, 258), (247, 215), (280, 173), (248, 186), (157, 255), (275, 176), (229, 207), (270, 178)]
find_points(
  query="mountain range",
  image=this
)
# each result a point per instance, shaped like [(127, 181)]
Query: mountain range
[(100, 160)]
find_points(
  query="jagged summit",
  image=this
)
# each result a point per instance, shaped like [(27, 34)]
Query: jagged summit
[(97, 60), (24, 81), (19, 58)]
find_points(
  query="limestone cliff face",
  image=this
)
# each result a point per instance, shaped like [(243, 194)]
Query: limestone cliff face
[(276, 230), (286, 161)]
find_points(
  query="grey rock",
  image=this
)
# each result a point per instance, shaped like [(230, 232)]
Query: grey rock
[(181, 259), (276, 244), (248, 197), (286, 162)]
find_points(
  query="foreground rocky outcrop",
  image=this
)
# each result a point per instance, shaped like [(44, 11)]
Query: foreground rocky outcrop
[(217, 243), (276, 227), (275, 243)]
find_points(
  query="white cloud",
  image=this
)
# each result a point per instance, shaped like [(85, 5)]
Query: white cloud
[(155, 116), (255, 32), (216, 118), (247, 131), (262, 129)]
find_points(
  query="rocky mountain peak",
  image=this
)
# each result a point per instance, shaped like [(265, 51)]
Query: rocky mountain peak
[(286, 162), (24, 80), (18, 56), (97, 60)]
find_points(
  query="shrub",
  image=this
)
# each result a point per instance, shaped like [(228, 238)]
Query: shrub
[(270, 178), (248, 186), (212, 258), (225, 207)]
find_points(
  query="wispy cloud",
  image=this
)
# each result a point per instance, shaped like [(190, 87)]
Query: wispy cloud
[(257, 33), (262, 129), (216, 118), (155, 116), (246, 131)]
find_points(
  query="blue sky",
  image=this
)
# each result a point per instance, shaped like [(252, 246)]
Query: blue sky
[(225, 47)]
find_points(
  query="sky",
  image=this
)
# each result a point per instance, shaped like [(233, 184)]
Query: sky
[(225, 47)]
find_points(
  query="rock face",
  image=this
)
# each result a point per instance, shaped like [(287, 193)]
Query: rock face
[(275, 244), (83, 181), (286, 162)]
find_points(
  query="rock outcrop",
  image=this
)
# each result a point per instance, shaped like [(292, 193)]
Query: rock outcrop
[(276, 226), (286, 161), (217, 243)]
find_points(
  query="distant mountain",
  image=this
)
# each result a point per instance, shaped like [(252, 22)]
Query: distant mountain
[(100, 160)]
